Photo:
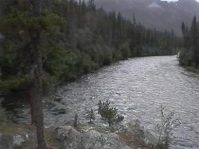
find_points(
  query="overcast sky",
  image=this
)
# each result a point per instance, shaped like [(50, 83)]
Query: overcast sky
[(174, 0)]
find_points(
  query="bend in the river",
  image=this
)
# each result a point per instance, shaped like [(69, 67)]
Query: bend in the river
[(137, 87)]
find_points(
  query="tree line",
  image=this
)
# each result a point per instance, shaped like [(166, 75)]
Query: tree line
[(189, 55), (44, 42), (85, 40)]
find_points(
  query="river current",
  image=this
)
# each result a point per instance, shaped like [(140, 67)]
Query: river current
[(137, 87)]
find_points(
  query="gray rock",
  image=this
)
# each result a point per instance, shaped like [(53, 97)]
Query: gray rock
[(150, 137), (6, 141), (12, 141), (73, 139), (135, 128), (19, 139), (147, 136)]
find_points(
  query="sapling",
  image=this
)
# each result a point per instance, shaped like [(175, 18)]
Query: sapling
[(109, 114), (90, 115), (165, 129)]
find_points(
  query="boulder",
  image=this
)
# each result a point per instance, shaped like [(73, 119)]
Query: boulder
[(12, 141), (6, 141), (72, 139), (136, 129)]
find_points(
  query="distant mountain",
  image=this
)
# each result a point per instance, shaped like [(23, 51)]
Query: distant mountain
[(154, 13)]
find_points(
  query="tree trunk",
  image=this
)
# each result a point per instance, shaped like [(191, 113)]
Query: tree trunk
[(31, 105), (196, 60), (37, 103), (109, 123)]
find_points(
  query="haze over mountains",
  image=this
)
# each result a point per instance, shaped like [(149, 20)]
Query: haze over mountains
[(158, 14)]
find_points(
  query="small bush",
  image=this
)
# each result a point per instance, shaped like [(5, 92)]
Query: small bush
[(165, 129), (3, 117), (109, 114)]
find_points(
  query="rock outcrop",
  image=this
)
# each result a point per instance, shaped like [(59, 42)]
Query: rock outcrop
[(136, 129), (12, 141), (73, 139), (90, 136)]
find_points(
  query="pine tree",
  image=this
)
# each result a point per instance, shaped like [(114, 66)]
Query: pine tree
[(27, 28), (37, 105), (189, 56), (194, 41)]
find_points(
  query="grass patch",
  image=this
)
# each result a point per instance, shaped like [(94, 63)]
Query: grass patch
[(11, 128), (51, 139), (191, 69), (53, 142), (132, 141), (79, 126)]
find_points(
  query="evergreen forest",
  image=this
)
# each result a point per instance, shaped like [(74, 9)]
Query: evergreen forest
[(75, 38), (189, 55)]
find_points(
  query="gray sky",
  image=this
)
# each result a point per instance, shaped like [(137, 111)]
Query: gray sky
[(174, 0)]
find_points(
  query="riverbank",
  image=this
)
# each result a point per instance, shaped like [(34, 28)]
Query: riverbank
[(85, 136), (136, 87), (191, 69)]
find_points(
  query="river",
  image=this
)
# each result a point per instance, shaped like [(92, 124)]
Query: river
[(137, 87)]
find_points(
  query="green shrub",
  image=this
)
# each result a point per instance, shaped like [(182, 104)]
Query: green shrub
[(3, 117), (15, 83), (109, 114), (165, 129)]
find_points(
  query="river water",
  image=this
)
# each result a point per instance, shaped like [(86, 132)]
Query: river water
[(137, 87)]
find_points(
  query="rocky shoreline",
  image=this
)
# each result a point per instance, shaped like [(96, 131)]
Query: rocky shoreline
[(85, 136)]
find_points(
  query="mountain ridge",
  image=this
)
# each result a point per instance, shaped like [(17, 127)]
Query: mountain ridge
[(158, 14)]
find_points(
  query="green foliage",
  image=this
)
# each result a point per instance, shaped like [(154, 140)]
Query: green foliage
[(18, 27), (192, 69), (109, 114), (3, 118), (74, 39), (189, 55), (125, 51), (165, 129), (15, 83)]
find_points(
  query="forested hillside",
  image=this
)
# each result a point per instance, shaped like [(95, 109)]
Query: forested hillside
[(189, 55), (76, 39), (45, 42), (158, 14)]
